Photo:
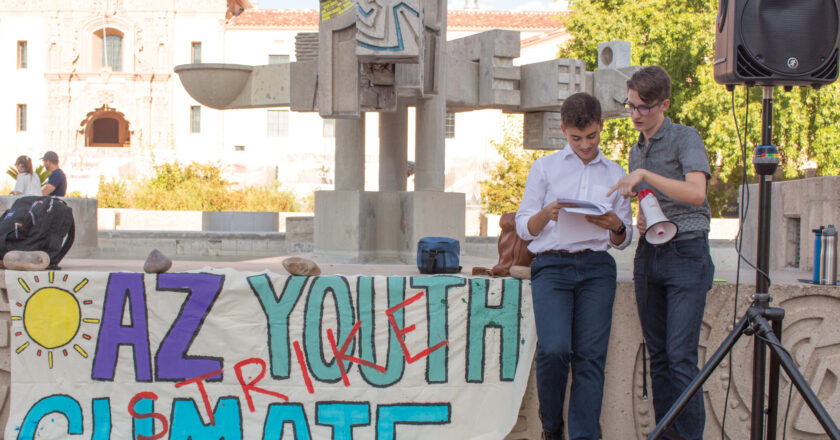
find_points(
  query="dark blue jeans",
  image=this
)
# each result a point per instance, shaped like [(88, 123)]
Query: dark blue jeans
[(671, 285), (573, 299)]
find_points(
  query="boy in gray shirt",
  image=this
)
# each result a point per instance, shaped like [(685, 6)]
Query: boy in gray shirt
[(671, 279)]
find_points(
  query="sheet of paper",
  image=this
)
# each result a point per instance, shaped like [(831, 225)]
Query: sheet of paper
[(576, 224), (585, 207)]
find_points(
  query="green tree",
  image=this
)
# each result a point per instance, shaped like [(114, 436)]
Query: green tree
[(502, 192), (679, 36)]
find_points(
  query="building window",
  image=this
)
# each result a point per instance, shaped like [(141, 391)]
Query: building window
[(449, 125), (21, 117), (329, 128), (278, 123), (107, 48), (278, 59), (196, 52), (21, 55), (195, 119)]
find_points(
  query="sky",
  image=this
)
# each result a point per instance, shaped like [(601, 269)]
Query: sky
[(513, 5)]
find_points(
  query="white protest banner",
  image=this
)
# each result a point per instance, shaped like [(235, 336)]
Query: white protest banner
[(226, 354)]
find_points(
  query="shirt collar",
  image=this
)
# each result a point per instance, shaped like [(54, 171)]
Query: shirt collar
[(567, 154)]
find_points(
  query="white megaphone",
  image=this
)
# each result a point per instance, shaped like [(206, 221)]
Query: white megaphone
[(659, 229)]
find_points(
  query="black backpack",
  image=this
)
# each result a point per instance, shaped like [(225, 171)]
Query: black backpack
[(38, 223)]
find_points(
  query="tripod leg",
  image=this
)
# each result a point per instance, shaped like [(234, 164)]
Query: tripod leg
[(793, 373), (773, 383), (697, 383), (759, 371)]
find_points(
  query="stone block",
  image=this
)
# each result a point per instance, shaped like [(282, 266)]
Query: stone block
[(541, 131), (268, 86), (494, 51), (547, 84), (808, 203), (338, 66), (611, 90), (240, 221), (340, 223), (461, 83), (306, 47), (614, 55), (300, 229), (304, 75), (389, 31)]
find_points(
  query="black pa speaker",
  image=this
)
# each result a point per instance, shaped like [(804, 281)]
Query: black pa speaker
[(777, 42)]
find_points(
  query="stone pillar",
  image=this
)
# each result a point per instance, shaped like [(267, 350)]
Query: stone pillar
[(430, 147), (350, 154), (430, 163), (393, 149)]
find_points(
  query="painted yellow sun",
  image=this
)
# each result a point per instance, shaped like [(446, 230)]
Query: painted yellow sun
[(52, 318)]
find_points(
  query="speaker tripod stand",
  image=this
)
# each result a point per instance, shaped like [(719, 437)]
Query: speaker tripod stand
[(756, 320)]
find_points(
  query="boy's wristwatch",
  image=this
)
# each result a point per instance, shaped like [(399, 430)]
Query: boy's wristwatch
[(621, 229)]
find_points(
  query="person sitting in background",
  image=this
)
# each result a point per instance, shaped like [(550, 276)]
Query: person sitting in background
[(28, 183), (57, 182)]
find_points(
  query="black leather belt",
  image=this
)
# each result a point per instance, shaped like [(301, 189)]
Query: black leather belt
[(564, 251), (689, 235)]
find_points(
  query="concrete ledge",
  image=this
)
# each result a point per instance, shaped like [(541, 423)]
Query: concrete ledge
[(198, 245), (126, 219), (239, 221)]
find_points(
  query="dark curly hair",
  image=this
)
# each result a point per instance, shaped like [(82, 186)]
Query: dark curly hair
[(580, 110)]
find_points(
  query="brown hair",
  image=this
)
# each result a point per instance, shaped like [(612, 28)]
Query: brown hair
[(26, 162), (652, 83), (580, 110)]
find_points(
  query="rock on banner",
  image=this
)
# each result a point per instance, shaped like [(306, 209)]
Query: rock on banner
[(226, 354)]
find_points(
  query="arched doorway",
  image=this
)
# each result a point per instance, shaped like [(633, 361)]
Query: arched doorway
[(106, 127)]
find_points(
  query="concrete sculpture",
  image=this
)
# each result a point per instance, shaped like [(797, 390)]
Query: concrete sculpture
[(384, 56)]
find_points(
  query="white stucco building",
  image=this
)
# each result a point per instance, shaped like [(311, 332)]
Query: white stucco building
[(93, 80)]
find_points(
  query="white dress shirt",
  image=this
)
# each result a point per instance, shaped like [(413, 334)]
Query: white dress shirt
[(564, 175)]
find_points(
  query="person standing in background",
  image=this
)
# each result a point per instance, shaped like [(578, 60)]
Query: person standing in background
[(28, 183), (57, 182)]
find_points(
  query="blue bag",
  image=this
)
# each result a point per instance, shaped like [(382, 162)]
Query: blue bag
[(438, 255)]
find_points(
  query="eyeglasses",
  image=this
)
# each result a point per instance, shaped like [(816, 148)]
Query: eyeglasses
[(643, 109)]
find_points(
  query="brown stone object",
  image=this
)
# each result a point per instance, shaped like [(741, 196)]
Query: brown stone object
[(301, 266), (481, 272), (26, 260), (156, 262), (521, 272)]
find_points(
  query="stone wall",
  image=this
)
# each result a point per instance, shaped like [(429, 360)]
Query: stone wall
[(797, 207)]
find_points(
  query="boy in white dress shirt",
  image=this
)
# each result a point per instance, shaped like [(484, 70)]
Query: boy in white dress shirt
[(573, 278)]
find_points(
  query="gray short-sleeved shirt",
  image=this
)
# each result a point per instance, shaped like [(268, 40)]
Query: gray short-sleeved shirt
[(674, 151)]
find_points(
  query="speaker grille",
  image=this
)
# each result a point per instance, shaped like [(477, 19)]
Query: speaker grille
[(790, 37), (829, 71), (747, 67)]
